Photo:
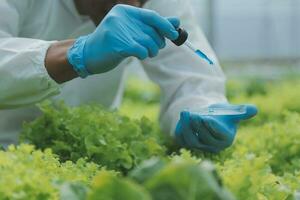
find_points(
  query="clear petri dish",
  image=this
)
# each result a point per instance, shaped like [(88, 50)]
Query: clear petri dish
[(231, 110)]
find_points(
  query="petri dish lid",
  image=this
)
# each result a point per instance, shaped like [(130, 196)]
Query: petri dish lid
[(231, 110)]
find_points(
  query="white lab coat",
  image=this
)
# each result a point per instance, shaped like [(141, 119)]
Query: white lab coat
[(29, 27)]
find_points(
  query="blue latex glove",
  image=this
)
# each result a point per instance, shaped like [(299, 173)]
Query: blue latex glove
[(125, 31), (211, 133)]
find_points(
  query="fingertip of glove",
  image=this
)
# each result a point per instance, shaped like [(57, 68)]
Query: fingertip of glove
[(174, 35), (175, 21), (251, 110)]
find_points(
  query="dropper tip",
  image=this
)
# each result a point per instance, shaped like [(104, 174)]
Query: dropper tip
[(210, 62), (204, 56)]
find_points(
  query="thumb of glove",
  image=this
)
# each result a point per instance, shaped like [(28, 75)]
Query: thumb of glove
[(184, 134)]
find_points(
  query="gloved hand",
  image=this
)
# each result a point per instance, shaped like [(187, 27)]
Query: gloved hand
[(125, 31), (211, 133)]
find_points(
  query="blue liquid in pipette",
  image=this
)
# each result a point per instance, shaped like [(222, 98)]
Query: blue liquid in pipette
[(202, 55)]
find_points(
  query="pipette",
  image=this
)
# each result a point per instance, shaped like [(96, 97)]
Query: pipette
[(183, 39)]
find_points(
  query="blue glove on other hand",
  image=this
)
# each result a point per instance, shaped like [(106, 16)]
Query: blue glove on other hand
[(211, 133), (125, 31)]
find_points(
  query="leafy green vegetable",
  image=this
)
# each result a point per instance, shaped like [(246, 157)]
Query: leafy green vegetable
[(185, 181), (248, 87), (103, 137), (73, 191), (147, 169), (266, 160), (142, 91), (26, 173), (280, 140), (263, 163), (180, 177), (108, 186), (280, 97)]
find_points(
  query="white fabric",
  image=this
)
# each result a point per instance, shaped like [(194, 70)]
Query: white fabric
[(29, 27)]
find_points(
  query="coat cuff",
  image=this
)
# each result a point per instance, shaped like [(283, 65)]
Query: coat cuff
[(27, 80)]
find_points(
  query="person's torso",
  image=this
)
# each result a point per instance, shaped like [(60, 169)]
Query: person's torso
[(59, 20)]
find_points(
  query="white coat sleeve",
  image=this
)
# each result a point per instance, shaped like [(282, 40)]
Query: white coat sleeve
[(23, 76), (186, 80)]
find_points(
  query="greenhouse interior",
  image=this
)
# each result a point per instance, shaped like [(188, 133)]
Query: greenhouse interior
[(149, 100)]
